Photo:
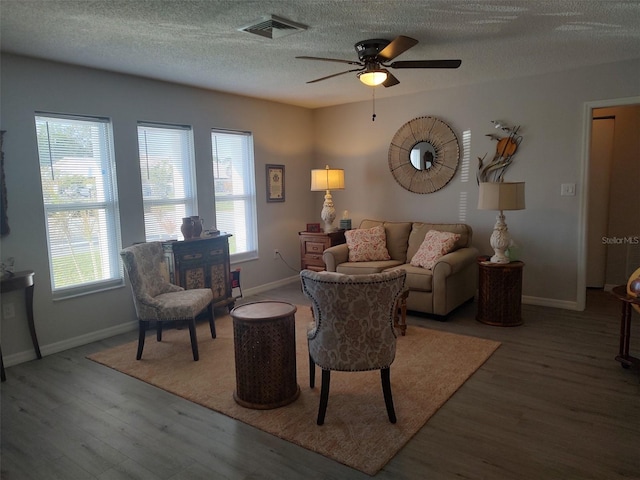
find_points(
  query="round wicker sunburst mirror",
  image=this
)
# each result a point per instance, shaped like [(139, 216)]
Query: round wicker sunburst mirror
[(424, 154)]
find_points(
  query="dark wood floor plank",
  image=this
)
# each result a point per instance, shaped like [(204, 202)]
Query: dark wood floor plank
[(550, 403)]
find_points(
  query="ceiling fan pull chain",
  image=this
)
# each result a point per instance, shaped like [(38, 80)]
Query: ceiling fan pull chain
[(373, 94)]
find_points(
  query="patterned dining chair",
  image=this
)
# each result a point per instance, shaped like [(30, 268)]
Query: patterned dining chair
[(157, 301), (353, 327)]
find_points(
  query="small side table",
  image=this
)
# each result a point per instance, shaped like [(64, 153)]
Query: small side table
[(21, 281), (312, 244), (264, 338), (626, 360), (499, 293)]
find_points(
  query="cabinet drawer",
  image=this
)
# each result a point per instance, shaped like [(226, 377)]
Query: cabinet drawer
[(313, 260), (316, 268), (315, 247)]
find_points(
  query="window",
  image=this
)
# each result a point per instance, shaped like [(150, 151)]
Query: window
[(235, 191), (168, 182), (77, 171)]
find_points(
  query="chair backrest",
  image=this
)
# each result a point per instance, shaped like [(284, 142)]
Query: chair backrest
[(353, 318), (147, 269)]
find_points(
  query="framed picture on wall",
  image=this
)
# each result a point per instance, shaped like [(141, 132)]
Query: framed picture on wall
[(275, 183)]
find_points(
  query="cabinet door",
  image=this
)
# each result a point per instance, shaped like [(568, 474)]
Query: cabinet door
[(219, 270), (192, 270)]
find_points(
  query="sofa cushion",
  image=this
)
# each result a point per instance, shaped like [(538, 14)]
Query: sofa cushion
[(418, 278), (435, 245), (419, 231), (364, 268), (367, 244), (397, 237)]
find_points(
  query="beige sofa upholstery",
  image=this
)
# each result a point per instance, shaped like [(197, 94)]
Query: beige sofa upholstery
[(450, 283)]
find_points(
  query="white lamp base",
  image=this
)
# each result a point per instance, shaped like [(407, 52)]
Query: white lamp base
[(328, 214), (500, 240)]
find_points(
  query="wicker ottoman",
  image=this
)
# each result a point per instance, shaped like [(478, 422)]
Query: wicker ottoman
[(264, 335)]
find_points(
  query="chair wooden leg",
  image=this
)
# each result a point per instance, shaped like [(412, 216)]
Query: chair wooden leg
[(194, 339), (324, 396), (159, 331), (312, 373), (386, 390), (212, 323), (142, 331)]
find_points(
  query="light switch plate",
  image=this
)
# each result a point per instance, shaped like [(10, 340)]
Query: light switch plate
[(568, 189)]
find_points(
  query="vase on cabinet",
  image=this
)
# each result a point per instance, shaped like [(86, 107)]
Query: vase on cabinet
[(187, 227), (197, 226)]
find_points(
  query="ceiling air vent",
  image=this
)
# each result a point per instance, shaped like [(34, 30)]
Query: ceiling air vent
[(271, 26)]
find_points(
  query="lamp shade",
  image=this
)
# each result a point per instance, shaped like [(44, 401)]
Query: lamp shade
[(327, 179), (373, 78), (501, 196)]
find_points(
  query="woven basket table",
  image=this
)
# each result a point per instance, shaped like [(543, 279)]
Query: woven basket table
[(499, 293), (264, 338)]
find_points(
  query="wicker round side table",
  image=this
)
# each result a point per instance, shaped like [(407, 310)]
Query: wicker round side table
[(499, 293), (264, 336)]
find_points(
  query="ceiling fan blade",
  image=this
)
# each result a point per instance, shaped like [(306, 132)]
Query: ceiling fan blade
[(399, 45), (349, 62), (426, 64), (335, 75), (391, 80)]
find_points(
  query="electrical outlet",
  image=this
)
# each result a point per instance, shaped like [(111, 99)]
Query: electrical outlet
[(276, 253), (8, 311)]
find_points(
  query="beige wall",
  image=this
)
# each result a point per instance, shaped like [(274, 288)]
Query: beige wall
[(282, 135), (551, 111), (549, 107)]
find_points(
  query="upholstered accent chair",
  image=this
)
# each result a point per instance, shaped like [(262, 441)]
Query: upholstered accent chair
[(353, 327), (157, 301)]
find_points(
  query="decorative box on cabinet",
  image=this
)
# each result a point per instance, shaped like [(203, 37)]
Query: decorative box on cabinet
[(200, 263), (313, 244)]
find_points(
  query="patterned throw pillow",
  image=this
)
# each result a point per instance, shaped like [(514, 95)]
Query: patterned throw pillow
[(367, 244), (435, 245)]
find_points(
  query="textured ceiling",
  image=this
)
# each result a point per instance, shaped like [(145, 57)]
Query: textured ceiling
[(197, 42)]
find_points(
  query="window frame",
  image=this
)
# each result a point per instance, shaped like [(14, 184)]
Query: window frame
[(249, 197), (190, 200), (110, 206)]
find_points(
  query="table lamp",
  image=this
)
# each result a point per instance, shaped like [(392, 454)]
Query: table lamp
[(501, 196), (327, 179)]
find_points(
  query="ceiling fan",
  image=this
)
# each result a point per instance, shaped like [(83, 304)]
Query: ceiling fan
[(373, 56)]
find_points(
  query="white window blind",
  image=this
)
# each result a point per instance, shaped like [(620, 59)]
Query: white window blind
[(77, 170), (168, 182), (235, 192)]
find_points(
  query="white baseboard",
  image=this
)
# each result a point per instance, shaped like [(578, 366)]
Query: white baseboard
[(550, 302), (270, 286), (52, 348)]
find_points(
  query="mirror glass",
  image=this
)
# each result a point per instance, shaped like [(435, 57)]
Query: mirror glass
[(422, 155)]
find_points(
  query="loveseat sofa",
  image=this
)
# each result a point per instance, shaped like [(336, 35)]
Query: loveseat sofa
[(438, 290)]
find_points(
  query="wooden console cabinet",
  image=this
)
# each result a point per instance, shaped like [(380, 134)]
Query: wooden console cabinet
[(313, 244), (200, 263)]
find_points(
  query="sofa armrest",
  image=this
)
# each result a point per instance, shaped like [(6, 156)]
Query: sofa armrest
[(455, 261), (334, 256), (454, 279)]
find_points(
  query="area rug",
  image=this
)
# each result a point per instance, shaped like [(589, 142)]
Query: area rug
[(429, 367)]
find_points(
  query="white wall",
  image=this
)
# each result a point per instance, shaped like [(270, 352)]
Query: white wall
[(282, 135), (550, 110)]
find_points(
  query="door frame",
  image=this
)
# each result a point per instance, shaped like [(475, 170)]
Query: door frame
[(581, 293)]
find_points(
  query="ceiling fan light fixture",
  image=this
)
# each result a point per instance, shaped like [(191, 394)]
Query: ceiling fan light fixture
[(373, 78)]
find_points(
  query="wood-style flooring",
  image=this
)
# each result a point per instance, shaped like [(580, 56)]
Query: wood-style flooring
[(551, 403)]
